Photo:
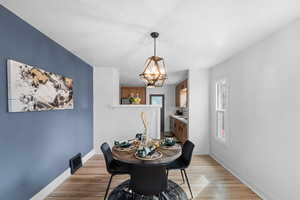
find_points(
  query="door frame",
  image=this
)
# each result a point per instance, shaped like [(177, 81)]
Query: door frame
[(162, 110)]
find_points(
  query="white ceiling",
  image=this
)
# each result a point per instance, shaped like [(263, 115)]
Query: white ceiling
[(193, 33)]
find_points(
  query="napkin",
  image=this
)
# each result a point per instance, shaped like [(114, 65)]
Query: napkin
[(146, 151), (122, 143)]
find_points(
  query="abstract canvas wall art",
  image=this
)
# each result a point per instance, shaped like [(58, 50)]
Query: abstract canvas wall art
[(33, 89)]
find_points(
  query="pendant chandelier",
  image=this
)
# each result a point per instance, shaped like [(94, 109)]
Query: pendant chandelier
[(154, 74)]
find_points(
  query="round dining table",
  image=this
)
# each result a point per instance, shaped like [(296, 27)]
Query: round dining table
[(168, 155)]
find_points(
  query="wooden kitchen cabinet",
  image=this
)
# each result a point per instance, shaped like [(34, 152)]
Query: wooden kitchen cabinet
[(177, 96), (127, 91), (185, 84), (180, 130), (181, 94)]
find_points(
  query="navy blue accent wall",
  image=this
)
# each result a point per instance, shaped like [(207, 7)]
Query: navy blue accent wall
[(35, 146)]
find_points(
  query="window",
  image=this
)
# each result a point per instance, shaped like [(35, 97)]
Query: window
[(221, 108)]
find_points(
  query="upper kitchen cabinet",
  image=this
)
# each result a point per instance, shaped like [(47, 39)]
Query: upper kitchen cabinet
[(127, 92), (182, 94)]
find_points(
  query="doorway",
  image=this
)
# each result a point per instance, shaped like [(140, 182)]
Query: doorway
[(159, 99)]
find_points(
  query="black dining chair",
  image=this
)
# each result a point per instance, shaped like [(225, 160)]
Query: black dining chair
[(183, 162), (113, 166), (148, 180)]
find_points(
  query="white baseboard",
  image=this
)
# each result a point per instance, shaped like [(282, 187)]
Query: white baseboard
[(51, 186), (88, 156), (200, 153), (59, 180), (254, 188)]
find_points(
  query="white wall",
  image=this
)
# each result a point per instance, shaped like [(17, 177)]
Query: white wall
[(170, 108), (105, 82), (198, 91), (116, 123), (264, 107)]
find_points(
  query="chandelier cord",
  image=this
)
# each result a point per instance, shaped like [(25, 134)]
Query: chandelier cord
[(154, 46)]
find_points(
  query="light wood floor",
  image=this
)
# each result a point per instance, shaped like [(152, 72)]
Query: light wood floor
[(208, 180)]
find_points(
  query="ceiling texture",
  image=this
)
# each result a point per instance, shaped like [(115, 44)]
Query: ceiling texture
[(193, 33)]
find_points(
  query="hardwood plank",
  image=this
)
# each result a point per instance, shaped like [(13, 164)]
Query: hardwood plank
[(208, 179)]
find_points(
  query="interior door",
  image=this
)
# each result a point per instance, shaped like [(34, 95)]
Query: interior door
[(159, 99)]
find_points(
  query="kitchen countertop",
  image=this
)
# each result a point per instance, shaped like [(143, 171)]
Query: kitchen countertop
[(180, 118), (135, 106)]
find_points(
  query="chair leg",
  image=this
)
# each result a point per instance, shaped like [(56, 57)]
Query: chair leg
[(167, 173), (188, 182), (181, 171), (108, 186)]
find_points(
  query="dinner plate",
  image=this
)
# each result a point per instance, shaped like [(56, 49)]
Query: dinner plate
[(156, 155), (169, 147), (130, 148)]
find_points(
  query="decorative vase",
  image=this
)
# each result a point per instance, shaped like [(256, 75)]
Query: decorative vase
[(137, 99), (145, 137)]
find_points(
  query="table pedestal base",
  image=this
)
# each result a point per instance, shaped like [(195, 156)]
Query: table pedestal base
[(122, 192)]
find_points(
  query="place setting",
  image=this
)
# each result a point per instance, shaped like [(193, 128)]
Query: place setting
[(169, 143), (125, 145)]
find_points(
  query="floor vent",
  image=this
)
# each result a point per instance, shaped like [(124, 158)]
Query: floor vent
[(75, 163)]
